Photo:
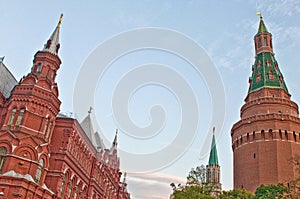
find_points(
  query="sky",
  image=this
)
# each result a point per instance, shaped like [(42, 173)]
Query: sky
[(136, 63)]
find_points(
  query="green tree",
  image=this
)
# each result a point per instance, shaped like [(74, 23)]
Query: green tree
[(272, 192), (197, 176), (236, 194), (196, 186)]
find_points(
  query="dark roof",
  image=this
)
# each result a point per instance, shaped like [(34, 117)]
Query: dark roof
[(7, 80)]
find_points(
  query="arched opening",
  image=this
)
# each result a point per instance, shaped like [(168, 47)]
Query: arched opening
[(39, 171), (3, 152)]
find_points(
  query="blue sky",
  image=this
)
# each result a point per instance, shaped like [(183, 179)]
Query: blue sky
[(224, 30)]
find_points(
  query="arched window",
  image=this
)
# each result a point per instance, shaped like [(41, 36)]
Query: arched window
[(63, 185), (265, 41), (3, 152), (259, 42), (70, 189), (39, 171), (12, 117), (49, 130), (39, 68), (19, 119), (258, 77), (75, 192), (46, 125)]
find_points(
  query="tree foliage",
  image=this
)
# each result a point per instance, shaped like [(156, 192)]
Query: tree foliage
[(236, 194), (272, 192)]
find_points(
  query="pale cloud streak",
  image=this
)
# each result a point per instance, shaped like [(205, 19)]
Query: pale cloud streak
[(152, 185)]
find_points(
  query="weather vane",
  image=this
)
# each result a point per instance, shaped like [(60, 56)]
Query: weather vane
[(259, 14)]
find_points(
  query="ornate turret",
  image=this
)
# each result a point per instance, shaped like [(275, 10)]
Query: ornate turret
[(29, 120), (265, 71), (266, 136)]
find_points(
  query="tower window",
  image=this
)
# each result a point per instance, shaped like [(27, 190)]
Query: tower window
[(271, 75), (258, 77), (19, 119), (52, 74), (12, 117), (3, 152), (46, 126), (265, 41), (39, 171), (39, 68), (259, 42), (258, 65), (254, 155), (269, 63)]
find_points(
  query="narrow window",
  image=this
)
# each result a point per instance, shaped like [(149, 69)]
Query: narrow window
[(254, 155), (271, 75), (46, 126), (76, 192), (52, 74), (258, 77), (39, 171), (12, 117), (3, 152), (265, 41), (39, 68), (70, 189), (280, 134), (62, 186), (49, 130), (259, 42), (19, 119)]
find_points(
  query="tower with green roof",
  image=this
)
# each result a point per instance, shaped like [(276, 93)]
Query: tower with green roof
[(267, 136), (213, 168)]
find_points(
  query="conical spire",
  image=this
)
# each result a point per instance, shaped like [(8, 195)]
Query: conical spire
[(265, 71), (213, 157), (262, 27), (52, 45)]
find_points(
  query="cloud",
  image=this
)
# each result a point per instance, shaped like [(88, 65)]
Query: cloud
[(281, 7), (152, 185)]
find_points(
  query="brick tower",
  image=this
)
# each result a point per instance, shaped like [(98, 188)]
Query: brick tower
[(268, 134), (29, 115)]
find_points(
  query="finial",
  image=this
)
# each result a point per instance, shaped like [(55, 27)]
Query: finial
[(214, 130), (60, 20), (117, 131), (259, 14), (125, 174), (90, 110)]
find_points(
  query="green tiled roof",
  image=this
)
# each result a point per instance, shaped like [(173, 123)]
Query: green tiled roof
[(213, 157), (262, 28), (266, 73)]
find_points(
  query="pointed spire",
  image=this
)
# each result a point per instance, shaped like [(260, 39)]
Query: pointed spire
[(265, 71), (115, 143), (262, 27), (52, 45), (213, 157)]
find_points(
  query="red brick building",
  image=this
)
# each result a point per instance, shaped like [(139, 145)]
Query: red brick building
[(268, 133), (45, 154)]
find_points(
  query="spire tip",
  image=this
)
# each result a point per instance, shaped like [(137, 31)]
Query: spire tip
[(60, 20), (259, 14), (90, 110)]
